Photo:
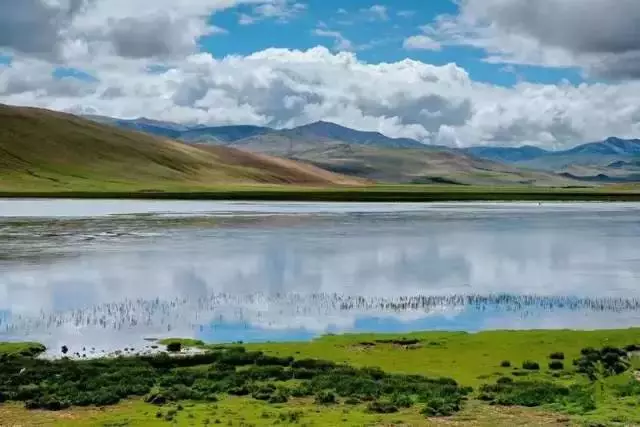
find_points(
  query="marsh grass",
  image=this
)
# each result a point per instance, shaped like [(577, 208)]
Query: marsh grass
[(405, 380)]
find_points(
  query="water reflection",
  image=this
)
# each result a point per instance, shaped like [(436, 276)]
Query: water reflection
[(224, 271)]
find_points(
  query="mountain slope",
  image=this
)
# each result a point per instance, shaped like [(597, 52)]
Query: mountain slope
[(228, 134), (221, 134), (152, 127), (609, 147), (333, 132), (46, 149), (506, 154), (397, 165), (611, 160), (266, 169)]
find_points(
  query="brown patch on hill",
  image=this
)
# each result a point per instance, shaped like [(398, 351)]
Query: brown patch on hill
[(276, 169), (48, 150)]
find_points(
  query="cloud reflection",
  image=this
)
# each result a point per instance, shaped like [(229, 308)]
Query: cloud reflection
[(116, 279)]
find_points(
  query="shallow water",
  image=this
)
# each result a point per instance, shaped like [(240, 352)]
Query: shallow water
[(106, 274)]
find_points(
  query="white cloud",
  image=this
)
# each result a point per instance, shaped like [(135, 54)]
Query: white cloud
[(117, 42), (282, 88), (341, 43), (281, 10), (600, 36), (80, 31), (376, 12), (244, 19), (421, 42)]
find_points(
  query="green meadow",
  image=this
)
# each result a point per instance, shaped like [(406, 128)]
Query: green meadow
[(372, 193), (428, 378)]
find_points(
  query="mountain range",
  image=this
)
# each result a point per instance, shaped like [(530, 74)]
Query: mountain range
[(374, 155), (230, 134), (614, 159), (42, 150)]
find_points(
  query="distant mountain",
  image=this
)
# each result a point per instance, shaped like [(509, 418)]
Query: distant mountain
[(613, 159), (621, 164), (608, 147), (507, 154), (334, 132), (423, 165), (222, 134), (586, 160), (152, 127), (229, 134)]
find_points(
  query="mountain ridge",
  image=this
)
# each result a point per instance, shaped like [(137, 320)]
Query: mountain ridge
[(610, 160), (334, 131), (58, 151), (589, 160), (227, 134)]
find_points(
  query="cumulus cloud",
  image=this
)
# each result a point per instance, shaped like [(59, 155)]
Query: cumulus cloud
[(284, 88), (140, 71), (36, 27), (600, 36), (81, 31), (421, 42)]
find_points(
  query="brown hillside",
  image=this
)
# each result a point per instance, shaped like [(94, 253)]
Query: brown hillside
[(42, 149)]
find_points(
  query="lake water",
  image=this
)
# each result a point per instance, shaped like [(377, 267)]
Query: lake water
[(107, 274)]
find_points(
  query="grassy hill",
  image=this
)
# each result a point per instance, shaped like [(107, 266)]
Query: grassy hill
[(428, 165), (46, 150)]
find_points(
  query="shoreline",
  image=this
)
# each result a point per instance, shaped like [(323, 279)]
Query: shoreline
[(191, 346), (384, 194)]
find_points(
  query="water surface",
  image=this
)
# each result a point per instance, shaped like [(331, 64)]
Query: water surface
[(109, 273)]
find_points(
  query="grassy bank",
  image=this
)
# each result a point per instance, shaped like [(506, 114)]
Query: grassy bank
[(432, 378), (470, 359), (378, 193)]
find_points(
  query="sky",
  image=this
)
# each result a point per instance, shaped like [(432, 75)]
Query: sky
[(548, 73)]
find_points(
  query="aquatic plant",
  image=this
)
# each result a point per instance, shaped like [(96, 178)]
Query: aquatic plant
[(188, 312)]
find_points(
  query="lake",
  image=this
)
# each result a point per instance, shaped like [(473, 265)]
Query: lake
[(109, 273)]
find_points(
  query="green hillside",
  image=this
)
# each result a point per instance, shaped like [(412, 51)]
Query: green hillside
[(46, 150)]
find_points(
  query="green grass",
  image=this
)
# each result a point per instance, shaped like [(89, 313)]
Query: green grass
[(471, 359), (374, 193), (21, 349), (468, 358), (236, 411)]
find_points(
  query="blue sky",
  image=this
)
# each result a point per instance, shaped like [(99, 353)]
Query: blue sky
[(375, 39)]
